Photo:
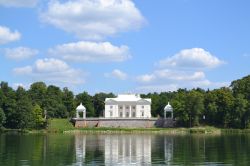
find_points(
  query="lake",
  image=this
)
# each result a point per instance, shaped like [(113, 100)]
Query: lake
[(123, 149)]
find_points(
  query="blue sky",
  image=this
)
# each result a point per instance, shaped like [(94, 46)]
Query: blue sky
[(124, 46)]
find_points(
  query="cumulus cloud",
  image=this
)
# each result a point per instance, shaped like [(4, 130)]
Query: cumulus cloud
[(117, 74), (16, 85), (6, 35), (53, 71), (157, 88), (191, 58), (91, 52), (20, 53), (93, 19), (169, 75), (18, 3), (171, 80)]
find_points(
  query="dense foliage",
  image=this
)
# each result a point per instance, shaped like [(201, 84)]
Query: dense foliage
[(227, 107)]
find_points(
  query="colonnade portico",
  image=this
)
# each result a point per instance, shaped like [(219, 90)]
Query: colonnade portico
[(126, 111)]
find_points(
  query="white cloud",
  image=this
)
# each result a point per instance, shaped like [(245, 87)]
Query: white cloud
[(169, 80), (191, 58), (93, 19), (91, 52), (20, 53), (165, 87), (117, 74), (16, 85), (18, 3), (23, 70), (146, 78), (52, 71), (157, 88), (6, 35), (169, 75)]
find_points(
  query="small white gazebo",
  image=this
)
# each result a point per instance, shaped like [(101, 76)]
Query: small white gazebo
[(168, 108), (82, 109)]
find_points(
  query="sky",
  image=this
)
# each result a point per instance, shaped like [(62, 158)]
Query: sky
[(121, 46)]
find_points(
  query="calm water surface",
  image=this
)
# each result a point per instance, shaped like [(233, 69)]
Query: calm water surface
[(123, 149)]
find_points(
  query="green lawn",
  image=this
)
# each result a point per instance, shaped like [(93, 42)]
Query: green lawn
[(59, 125)]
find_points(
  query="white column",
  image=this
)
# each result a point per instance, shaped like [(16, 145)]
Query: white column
[(130, 112), (77, 114), (123, 111)]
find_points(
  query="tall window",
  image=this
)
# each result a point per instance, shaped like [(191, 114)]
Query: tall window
[(121, 114), (133, 114), (142, 113), (127, 114), (111, 113)]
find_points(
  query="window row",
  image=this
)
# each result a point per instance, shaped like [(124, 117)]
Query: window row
[(127, 114), (127, 107)]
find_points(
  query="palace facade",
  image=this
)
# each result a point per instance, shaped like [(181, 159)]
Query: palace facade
[(127, 106)]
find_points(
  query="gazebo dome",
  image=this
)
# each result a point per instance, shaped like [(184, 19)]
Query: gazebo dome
[(168, 108), (81, 108)]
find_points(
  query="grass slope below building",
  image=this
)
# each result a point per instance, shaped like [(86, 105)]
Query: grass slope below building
[(65, 126)]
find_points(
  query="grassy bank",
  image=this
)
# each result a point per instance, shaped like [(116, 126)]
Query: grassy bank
[(64, 126)]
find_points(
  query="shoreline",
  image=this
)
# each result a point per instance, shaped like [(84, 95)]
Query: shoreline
[(174, 131)]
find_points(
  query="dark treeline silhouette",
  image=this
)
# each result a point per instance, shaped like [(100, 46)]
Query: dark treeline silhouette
[(227, 107)]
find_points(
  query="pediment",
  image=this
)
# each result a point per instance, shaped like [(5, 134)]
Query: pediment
[(143, 101), (110, 101)]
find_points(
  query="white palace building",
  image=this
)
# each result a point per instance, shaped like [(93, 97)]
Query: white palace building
[(127, 106)]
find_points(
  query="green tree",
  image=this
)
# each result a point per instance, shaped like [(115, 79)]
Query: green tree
[(240, 114), (241, 86), (98, 102), (195, 106), (87, 101), (179, 105), (37, 117), (8, 104), (37, 93), (2, 118), (68, 101), (54, 104), (23, 114)]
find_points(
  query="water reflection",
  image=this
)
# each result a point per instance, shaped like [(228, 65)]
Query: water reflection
[(117, 149), (80, 146), (168, 149), (120, 149), (127, 149)]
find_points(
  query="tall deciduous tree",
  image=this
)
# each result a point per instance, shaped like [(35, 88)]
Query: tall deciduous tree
[(68, 101), (2, 118), (23, 114), (54, 104), (8, 104), (37, 93), (37, 116), (98, 102), (195, 106)]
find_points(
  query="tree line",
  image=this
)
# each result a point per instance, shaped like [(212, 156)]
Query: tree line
[(227, 107)]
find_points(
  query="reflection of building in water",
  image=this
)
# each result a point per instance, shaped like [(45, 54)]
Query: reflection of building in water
[(80, 146), (127, 149), (168, 149)]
